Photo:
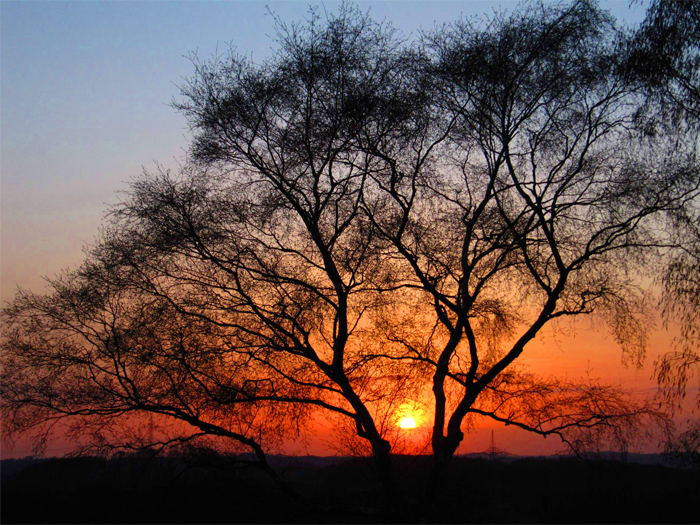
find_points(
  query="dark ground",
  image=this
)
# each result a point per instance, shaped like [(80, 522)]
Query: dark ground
[(171, 490)]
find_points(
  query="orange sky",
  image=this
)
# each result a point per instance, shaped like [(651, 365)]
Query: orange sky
[(570, 356)]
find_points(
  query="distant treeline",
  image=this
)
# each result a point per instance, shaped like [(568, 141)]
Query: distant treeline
[(215, 489)]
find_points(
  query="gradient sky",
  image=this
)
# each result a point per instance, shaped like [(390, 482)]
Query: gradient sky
[(84, 94)]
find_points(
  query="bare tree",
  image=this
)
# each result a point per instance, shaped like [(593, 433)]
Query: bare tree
[(92, 360), (684, 449), (681, 304), (536, 200), (363, 222), (663, 55)]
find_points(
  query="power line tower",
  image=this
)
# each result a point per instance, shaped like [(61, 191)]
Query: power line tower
[(493, 452)]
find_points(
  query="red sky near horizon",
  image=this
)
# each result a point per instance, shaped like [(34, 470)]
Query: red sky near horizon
[(584, 353)]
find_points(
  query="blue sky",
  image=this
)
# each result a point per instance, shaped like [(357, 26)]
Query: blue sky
[(84, 93)]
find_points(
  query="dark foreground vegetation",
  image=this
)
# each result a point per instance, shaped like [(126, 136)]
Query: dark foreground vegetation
[(343, 490)]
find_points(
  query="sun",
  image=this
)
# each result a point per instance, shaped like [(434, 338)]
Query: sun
[(407, 422)]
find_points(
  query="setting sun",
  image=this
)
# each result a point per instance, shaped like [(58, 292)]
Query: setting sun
[(407, 422)]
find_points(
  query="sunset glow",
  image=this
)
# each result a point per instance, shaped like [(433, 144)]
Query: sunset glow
[(407, 422), (52, 214)]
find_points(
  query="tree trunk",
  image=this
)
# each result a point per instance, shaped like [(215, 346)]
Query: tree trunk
[(443, 456), (383, 464)]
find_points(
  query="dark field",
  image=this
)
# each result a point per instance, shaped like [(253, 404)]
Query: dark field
[(174, 490)]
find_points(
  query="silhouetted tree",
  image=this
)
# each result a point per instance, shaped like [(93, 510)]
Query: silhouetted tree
[(362, 221), (681, 304), (539, 203), (95, 359), (684, 449), (664, 55)]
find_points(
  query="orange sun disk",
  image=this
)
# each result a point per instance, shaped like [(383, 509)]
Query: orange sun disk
[(407, 422)]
